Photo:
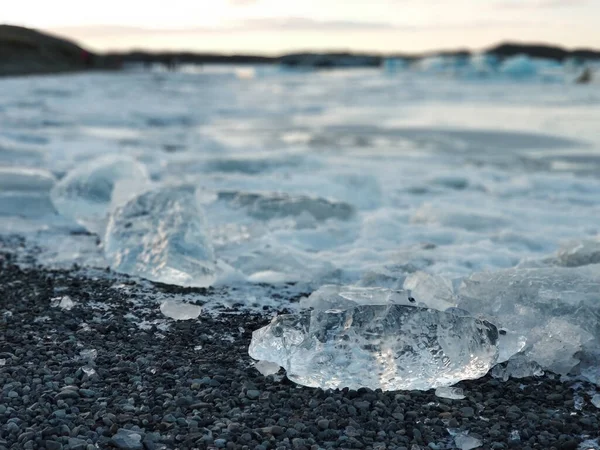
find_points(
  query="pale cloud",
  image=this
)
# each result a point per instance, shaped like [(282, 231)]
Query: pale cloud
[(535, 4), (306, 24)]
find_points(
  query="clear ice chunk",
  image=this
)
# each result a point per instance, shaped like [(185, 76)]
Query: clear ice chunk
[(452, 393), (180, 310), (64, 302), (465, 442), (435, 291), (390, 347), (274, 205), (517, 367), (556, 309), (596, 400), (85, 194), (161, 235)]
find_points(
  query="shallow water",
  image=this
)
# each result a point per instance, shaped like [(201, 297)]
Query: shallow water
[(423, 172)]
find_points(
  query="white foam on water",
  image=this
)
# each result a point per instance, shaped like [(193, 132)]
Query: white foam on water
[(411, 173)]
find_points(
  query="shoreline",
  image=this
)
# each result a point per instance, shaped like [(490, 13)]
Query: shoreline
[(26, 51), (191, 384)]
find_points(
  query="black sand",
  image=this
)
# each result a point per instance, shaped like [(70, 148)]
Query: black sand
[(178, 396)]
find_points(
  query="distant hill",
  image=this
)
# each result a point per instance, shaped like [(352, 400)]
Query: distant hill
[(26, 51), (542, 51)]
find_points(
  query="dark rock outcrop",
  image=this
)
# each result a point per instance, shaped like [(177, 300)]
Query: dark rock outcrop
[(27, 51), (509, 49)]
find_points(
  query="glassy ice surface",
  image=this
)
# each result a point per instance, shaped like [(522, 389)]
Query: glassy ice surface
[(86, 193), (434, 291), (596, 400), (180, 310), (161, 235), (388, 347)]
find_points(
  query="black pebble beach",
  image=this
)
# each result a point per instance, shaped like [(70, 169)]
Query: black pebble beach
[(193, 386)]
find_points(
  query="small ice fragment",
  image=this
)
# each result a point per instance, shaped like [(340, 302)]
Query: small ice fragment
[(89, 354), (596, 400), (198, 347), (41, 319), (514, 436), (89, 371), (267, 368), (391, 347), (161, 235), (180, 310), (452, 393), (2, 362), (578, 402), (466, 442), (64, 302)]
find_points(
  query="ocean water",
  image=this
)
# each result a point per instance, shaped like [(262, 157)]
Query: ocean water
[(352, 177)]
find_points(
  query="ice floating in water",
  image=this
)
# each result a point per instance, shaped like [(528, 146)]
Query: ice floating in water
[(520, 66), (25, 192), (63, 303), (180, 310), (267, 368), (596, 400), (86, 193), (271, 206), (161, 235), (377, 346), (452, 393)]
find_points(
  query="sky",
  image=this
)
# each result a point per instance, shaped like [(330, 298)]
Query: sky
[(278, 26)]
